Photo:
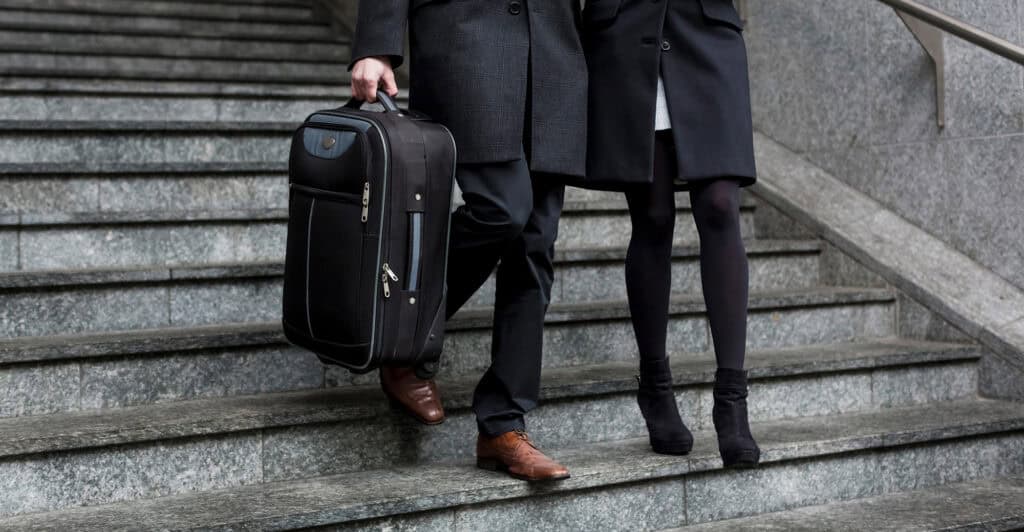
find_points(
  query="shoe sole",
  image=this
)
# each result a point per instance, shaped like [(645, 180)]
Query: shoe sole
[(683, 451), (397, 405), (494, 465)]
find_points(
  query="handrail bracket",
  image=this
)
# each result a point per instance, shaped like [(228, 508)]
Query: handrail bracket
[(930, 38)]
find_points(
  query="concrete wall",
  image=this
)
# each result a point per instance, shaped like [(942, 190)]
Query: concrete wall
[(844, 83)]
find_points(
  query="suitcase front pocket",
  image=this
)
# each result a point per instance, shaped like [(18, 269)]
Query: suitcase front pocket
[(339, 268)]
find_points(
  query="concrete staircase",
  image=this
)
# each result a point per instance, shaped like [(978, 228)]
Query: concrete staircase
[(144, 382)]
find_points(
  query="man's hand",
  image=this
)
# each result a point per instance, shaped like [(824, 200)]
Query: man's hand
[(371, 73)]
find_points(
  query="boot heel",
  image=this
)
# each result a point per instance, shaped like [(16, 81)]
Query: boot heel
[(489, 464), (672, 448)]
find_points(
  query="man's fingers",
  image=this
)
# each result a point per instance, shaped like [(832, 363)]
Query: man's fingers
[(390, 86), (371, 74)]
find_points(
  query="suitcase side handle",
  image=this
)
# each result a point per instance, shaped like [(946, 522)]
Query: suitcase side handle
[(389, 104)]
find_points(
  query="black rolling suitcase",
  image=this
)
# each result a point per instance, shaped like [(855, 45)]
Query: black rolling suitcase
[(368, 221)]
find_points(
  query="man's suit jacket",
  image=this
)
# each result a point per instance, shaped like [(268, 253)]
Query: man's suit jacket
[(503, 75), (697, 47)]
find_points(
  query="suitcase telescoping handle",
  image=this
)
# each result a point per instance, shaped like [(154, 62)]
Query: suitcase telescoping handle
[(382, 97)]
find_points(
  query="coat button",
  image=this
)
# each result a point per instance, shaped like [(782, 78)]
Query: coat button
[(666, 46), (515, 8)]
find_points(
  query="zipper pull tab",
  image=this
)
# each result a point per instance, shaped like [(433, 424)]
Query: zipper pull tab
[(388, 274), (366, 201), (391, 274)]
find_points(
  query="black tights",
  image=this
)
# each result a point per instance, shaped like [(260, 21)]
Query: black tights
[(723, 260)]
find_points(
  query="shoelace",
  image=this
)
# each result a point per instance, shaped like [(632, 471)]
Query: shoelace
[(523, 437)]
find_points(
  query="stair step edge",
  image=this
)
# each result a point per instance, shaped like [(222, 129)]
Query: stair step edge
[(381, 493)]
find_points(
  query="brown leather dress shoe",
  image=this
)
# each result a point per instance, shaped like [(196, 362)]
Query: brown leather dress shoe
[(514, 453), (416, 396)]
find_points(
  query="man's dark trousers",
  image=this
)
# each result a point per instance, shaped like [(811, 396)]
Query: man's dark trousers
[(510, 217)]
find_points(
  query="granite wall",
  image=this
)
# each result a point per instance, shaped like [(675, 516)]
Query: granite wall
[(844, 83)]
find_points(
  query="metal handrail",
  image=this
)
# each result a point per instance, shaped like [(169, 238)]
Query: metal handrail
[(959, 28)]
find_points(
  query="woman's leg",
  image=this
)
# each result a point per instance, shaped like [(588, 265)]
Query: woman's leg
[(724, 276), (652, 210), (723, 267)]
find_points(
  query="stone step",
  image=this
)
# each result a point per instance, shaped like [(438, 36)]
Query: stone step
[(992, 504), (262, 353), (161, 68), (86, 381), (204, 188), (259, 108), (84, 87), (28, 143), (617, 485), (164, 8), (50, 42), (72, 241), (589, 329), (23, 19), (57, 86), (581, 275)]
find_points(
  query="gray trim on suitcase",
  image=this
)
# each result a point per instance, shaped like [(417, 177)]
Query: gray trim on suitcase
[(309, 247)]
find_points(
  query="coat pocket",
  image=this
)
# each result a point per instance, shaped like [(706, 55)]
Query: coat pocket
[(601, 13), (723, 12)]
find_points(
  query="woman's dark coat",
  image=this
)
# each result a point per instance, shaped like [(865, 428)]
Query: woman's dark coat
[(698, 48), (493, 71)]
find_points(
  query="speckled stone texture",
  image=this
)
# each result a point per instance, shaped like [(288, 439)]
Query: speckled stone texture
[(127, 473), (848, 87), (996, 504), (600, 276), (38, 389), (268, 191), (256, 11), (175, 377), (591, 404), (84, 65), (9, 250), (651, 506), (998, 379), (174, 26), (41, 313), (144, 245), (602, 230), (168, 106), (440, 521), (972, 298), (812, 460), (147, 146), (47, 194)]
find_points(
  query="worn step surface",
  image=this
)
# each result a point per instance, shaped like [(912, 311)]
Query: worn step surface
[(581, 275), (301, 435), (184, 47), (53, 189), (155, 8), (873, 375), (615, 486), (25, 19), (585, 331), (226, 360), (87, 240), (992, 505), (159, 68), (57, 85)]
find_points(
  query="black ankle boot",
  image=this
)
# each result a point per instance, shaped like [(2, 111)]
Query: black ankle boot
[(658, 405), (735, 443)]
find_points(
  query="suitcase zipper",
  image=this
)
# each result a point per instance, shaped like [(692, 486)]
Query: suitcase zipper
[(384, 278), (366, 201)]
